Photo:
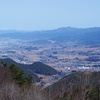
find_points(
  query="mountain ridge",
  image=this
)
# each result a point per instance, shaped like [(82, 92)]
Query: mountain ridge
[(33, 69), (81, 35)]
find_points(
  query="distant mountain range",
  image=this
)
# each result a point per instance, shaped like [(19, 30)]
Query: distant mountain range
[(65, 34)]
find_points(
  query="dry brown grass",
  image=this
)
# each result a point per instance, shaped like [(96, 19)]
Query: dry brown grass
[(11, 91)]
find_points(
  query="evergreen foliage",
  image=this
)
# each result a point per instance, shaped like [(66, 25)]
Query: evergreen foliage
[(19, 77)]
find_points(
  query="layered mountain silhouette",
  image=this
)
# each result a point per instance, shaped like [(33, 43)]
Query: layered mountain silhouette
[(65, 34), (33, 69)]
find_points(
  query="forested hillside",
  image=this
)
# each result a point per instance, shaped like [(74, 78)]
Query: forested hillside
[(36, 67), (77, 86), (15, 85)]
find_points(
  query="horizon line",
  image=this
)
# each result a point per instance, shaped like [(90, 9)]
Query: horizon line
[(49, 29)]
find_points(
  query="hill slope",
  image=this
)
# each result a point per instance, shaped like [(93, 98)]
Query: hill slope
[(15, 86), (77, 86), (36, 67)]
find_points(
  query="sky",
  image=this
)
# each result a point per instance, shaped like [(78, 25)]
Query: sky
[(48, 14)]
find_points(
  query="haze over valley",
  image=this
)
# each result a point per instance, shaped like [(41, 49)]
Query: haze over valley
[(50, 50), (68, 49)]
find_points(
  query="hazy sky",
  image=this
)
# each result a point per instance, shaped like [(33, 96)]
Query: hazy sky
[(48, 14)]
